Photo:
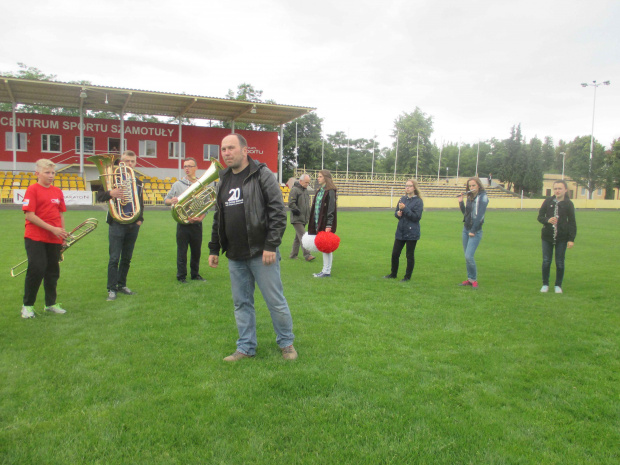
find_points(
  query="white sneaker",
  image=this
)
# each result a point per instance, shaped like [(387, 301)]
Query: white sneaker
[(56, 308), (544, 289), (558, 290), (27, 312)]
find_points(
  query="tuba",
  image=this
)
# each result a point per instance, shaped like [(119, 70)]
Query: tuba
[(75, 235), (199, 197), (127, 208)]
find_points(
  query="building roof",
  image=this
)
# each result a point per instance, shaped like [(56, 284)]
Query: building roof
[(142, 102)]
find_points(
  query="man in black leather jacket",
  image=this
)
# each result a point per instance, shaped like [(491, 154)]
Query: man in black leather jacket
[(248, 225)]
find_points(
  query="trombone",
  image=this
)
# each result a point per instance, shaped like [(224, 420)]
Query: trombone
[(75, 235)]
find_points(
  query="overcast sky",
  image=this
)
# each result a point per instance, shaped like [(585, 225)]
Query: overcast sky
[(476, 67)]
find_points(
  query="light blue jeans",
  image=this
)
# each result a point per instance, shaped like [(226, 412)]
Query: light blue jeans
[(470, 244), (244, 274)]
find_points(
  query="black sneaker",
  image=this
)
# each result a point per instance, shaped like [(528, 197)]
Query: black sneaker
[(198, 278), (390, 276), (182, 281), (405, 279)]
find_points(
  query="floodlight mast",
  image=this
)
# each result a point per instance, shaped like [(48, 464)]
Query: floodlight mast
[(595, 85)]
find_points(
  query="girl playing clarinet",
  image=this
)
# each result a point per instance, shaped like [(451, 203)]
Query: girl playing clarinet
[(557, 214)]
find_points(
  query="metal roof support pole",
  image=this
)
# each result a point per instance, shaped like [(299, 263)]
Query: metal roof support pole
[(232, 126), (180, 145), (280, 153), (14, 138), (81, 137), (121, 149)]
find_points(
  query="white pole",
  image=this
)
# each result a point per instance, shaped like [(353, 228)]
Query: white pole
[(372, 166), (296, 151), (563, 160), (458, 162), (322, 152), (477, 155), (348, 146), (417, 157), (14, 139), (439, 166), (81, 137), (179, 152), (281, 153), (396, 158), (122, 141)]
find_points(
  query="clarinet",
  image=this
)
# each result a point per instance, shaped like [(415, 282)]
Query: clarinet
[(557, 216)]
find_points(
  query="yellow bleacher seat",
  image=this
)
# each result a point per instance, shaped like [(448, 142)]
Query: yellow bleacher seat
[(9, 174), (25, 183)]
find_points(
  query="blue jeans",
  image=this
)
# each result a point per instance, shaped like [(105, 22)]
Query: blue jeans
[(470, 244), (560, 252), (243, 276), (122, 241)]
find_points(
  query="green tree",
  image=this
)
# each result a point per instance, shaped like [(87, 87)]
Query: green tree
[(532, 179), (307, 130), (578, 163), (407, 128), (612, 170), (248, 93), (548, 155)]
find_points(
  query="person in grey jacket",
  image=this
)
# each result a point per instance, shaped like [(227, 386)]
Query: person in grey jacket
[(408, 213), (299, 204), (473, 219), (248, 225), (188, 235)]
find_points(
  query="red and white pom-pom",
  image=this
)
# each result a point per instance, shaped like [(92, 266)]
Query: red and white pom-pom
[(326, 242), (307, 241)]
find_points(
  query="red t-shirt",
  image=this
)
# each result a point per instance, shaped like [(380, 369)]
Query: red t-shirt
[(47, 203)]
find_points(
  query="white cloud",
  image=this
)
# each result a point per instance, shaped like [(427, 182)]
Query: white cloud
[(477, 67)]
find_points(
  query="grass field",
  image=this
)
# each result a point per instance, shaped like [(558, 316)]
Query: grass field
[(388, 372)]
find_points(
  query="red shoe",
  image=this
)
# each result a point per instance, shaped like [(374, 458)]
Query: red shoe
[(467, 282), (474, 284)]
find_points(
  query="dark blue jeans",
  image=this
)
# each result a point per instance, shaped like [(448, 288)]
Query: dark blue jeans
[(560, 252), (189, 235), (122, 241)]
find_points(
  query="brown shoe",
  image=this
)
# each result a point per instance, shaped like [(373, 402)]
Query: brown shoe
[(237, 356), (310, 258), (289, 353)]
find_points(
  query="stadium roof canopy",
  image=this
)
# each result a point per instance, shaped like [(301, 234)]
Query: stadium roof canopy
[(142, 102)]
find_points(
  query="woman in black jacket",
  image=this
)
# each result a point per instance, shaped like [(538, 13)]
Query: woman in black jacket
[(557, 214), (408, 213), (324, 216)]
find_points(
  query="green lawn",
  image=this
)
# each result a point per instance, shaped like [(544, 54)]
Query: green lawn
[(388, 372)]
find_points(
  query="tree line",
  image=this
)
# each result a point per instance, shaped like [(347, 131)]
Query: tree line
[(514, 161)]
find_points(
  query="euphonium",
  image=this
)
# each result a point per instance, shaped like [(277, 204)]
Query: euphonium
[(75, 235), (127, 208), (199, 197)]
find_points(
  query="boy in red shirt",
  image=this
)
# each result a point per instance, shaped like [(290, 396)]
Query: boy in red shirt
[(43, 205)]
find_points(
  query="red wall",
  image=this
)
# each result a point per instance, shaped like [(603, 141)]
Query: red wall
[(262, 146)]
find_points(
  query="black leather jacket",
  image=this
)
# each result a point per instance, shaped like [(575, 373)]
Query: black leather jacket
[(265, 216)]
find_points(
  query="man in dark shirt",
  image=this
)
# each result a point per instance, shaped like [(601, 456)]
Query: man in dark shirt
[(248, 225)]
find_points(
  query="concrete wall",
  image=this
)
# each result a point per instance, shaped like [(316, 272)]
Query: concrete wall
[(516, 203)]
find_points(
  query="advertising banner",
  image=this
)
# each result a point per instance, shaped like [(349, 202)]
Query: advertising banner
[(71, 197)]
